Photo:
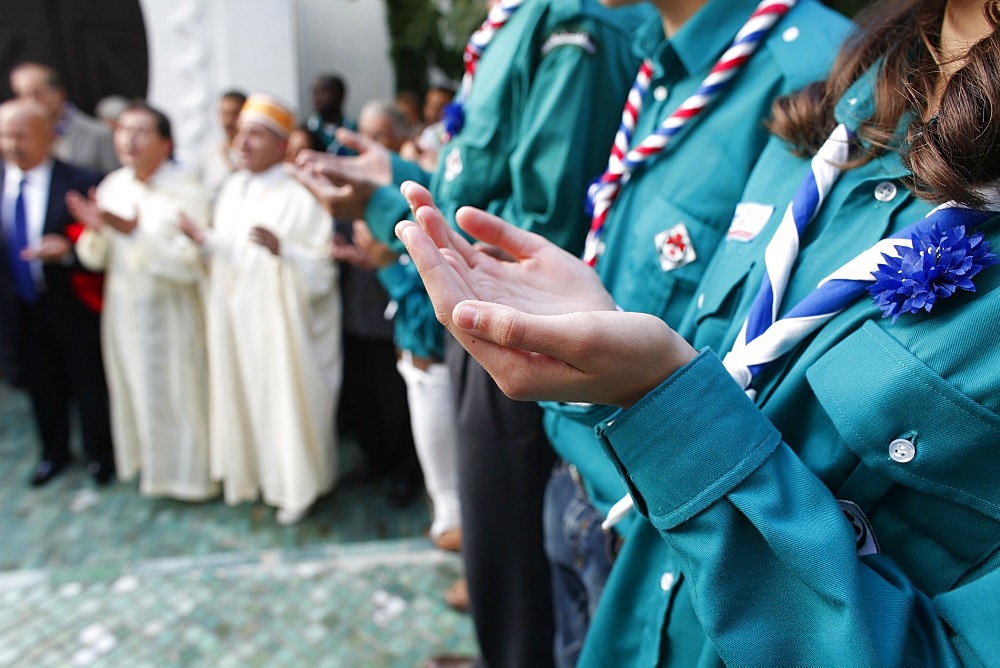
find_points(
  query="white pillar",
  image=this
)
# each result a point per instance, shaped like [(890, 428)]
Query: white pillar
[(200, 48)]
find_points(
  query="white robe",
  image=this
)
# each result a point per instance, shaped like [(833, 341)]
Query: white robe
[(153, 333), (274, 343)]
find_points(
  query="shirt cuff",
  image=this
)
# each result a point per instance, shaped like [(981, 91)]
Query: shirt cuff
[(387, 207), (689, 442)]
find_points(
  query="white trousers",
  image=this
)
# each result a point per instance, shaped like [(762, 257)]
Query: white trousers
[(432, 421)]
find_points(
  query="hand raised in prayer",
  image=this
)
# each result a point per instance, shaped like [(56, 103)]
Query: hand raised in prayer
[(190, 229), (266, 238), (509, 265), (377, 252), (373, 161), (50, 248), (86, 210), (547, 353), (345, 198), (345, 184), (343, 250)]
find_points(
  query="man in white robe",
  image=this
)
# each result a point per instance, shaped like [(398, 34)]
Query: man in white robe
[(153, 324), (273, 326)]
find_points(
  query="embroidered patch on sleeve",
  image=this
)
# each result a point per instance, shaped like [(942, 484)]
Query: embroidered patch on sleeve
[(580, 40)]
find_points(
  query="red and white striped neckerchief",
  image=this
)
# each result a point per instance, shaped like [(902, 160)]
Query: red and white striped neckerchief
[(623, 160)]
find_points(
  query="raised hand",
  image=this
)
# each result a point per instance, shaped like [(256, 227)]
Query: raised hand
[(345, 184), (548, 353), (50, 248), (190, 230), (262, 236), (84, 208), (509, 265), (87, 211)]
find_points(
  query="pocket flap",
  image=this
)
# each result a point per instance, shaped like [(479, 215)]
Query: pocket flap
[(891, 394)]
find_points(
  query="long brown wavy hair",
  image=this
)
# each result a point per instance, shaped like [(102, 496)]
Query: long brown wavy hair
[(948, 154)]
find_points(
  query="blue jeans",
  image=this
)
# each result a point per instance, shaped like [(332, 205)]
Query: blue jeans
[(580, 555)]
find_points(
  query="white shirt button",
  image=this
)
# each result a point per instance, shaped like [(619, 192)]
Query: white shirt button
[(885, 191), (701, 300), (667, 581), (790, 34), (902, 450), (660, 93)]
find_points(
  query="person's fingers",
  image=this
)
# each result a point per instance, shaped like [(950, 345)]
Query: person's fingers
[(335, 173), (354, 141), (556, 336), (494, 231), (444, 285), (438, 229), (307, 157), (416, 195)]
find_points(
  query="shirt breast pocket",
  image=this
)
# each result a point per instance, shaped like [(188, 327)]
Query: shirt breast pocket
[(668, 251), (719, 297), (935, 447)]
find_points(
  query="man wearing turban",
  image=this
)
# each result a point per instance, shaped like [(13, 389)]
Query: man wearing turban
[(273, 319)]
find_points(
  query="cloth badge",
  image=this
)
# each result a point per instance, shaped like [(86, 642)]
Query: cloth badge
[(674, 248), (864, 536), (579, 39), (749, 219), (452, 164)]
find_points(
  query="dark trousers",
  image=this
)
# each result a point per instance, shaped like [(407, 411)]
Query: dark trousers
[(374, 407), (504, 462), (59, 354)]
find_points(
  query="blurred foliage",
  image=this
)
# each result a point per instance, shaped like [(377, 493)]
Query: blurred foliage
[(426, 35), (429, 35)]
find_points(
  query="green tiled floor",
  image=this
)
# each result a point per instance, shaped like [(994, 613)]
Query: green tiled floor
[(105, 577)]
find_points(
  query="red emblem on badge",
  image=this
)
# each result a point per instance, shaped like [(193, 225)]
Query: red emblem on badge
[(674, 248)]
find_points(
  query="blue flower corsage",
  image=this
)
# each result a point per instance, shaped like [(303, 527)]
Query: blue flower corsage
[(939, 263), (453, 118)]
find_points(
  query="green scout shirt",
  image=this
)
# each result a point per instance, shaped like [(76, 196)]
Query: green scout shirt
[(539, 123), (757, 564), (415, 327), (696, 183)]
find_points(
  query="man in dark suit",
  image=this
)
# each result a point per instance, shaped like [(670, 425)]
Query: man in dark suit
[(51, 339)]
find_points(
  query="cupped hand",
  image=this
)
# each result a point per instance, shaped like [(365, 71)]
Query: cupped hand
[(603, 357), (190, 229), (50, 248), (343, 195), (509, 265), (264, 237), (84, 208)]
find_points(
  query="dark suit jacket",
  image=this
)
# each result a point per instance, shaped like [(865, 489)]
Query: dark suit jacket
[(58, 288)]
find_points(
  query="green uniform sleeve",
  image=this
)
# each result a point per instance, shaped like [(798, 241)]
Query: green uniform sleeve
[(386, 208), (416, 326), (406, 170), (556, 153), (771, 561)]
